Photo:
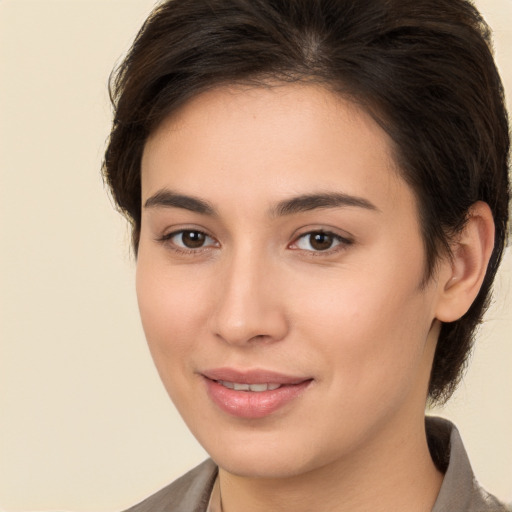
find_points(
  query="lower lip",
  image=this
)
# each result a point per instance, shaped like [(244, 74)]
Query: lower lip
[(252, 404)]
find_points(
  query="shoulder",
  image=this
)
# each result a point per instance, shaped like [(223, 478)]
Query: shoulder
[(491, 503), (191, 492), (460, 491)]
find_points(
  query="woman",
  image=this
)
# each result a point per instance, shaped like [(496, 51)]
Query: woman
[(319, 198)]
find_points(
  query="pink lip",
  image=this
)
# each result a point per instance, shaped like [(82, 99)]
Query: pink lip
[(250, 404), (255, 376)]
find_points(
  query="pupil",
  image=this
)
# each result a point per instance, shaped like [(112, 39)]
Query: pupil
[(193, 239), (321, 241)]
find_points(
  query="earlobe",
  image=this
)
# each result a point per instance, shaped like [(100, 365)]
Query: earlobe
[(463, 274)]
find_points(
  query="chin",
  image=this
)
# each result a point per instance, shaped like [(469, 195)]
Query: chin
[(275, 466), (262, 454)]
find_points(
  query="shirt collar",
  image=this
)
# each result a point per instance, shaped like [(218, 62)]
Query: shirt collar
[(460, 492)]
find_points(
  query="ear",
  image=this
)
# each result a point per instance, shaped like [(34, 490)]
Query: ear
[(461, 277)]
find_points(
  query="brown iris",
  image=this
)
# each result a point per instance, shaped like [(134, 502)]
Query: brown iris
[(321, 241), (193, 239)]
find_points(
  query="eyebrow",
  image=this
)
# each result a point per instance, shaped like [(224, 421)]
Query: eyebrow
[(308, 202), (168, 199)]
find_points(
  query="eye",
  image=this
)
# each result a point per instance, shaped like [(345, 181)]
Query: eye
[(319, 241), (190, 239)]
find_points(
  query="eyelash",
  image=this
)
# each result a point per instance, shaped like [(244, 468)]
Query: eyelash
[(342, 242), (167, 239)]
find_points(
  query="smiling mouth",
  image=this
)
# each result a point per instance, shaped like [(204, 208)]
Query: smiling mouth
[(253, 394)]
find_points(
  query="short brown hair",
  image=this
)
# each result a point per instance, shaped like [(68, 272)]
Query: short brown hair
[(422, 68)]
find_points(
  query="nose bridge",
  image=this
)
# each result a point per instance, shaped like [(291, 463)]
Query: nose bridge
[(248, 305)]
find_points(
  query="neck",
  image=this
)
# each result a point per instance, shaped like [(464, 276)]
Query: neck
[(398, 474)]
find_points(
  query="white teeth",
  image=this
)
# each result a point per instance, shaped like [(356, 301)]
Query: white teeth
[(258, 387), (249, 387)]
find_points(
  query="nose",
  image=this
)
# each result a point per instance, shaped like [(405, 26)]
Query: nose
[(250, 305)]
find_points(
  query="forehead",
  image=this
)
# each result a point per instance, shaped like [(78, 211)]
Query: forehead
[(276, 140)]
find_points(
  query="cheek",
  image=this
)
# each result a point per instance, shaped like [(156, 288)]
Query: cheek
[(170, 306), (372, 330)]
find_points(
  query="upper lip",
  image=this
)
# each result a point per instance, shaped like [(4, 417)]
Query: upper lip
[(252, 376)]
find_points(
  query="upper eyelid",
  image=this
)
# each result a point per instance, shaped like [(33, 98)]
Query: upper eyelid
[(347, 238), (173, 232), (167, 238)]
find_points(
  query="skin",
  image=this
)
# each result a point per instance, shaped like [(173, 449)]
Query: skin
[(257, 294)]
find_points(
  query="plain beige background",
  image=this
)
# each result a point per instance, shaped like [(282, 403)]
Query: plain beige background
[(84, 422)]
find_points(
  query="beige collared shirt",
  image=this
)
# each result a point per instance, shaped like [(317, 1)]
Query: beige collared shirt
[(215, 504), (198, 490)]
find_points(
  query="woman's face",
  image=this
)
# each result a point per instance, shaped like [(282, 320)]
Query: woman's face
[(279, 279)]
